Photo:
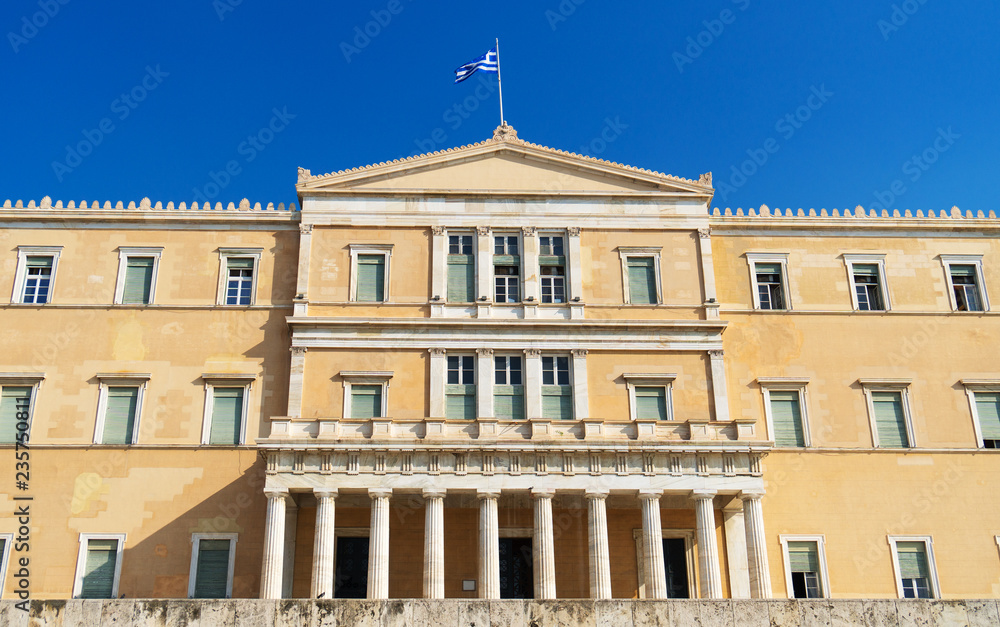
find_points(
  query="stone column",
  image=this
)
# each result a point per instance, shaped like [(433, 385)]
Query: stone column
[(652, 545), (489, 545), (274, 543), (719, 387), (708, 271), (302, 276), (529, 265), (296, 377), (532, 383), (753, 520), (736, 554), (575, 263), (600, 557), (434, 544), (581, 394), (484, 383), (484, 264), (708, 547), (324, 542), (438, 374), (543, 545), (378, 547), (439, 263)]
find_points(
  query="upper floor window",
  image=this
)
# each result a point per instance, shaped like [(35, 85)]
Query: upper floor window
[(650, 396), (17, 396), (641, 275), (984, 399), (365, 394), (461, 268), (768, 275), (137, 276), (460, 392), (867, 274), (557, 393), (805, 567), (238, 269), (6, 539), (913, 563), (227, 398), (213, 556), (552, 266), (889, 412), (506, 269), (508, 387), (965, 279), (34, 277), (99, 565), (370, 272), (118, 408), (785, 409)]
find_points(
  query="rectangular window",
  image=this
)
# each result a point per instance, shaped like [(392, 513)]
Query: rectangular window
[(138, 281), (803, 560), (460, 391), (239, 281), (867, 276), (461, 269), (557, 393), (769, 286), (15, 409), (506, 269), (552, 265), (650, 396), (916, 578), (786, 418), (212, 560), (227, 415), (365, 394), (508, 388), (121, 413), (651, 403), (5, 541), (890, 419), (366, 401), (963, 281), (371, 278), (987, 406), (98, 567), (37, 280), (641, 281)]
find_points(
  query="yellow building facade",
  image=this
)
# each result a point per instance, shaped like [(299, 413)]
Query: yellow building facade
[(497, 371)]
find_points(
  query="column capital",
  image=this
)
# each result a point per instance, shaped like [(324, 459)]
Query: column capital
[(434, 493), (542, 493), (375, 493), (298, 350), (305, 229), (703, 495), (532, 352), (326, 493), (437, 230), (487, 494), (277, 493), (528, 231), (573, 231), (484, 352), (597, 494), (436, 351), (483, 230), (752, 495), (579, 352), (650, 495), (716, 353)]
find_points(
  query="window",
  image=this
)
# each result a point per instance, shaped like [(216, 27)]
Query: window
[(118, 408), (552, 265), (238, 275), (650, 396), (640, 275), (557, 393), (867, 275), (461, 269), (17, 396), (506, 269), (768, 273), (508, 388), (212, 558), (365, 394), (965, 278), (34, 278), (984, 399), (913, 563), (99, 566), (460, 393), (805, 567), (785, 409), (888, 408), (370, 272), (137, 275), (6, 540), (226, 406)]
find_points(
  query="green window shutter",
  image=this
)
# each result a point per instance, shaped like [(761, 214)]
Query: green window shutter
[(99, 569), (138, 280), (212, 574), (239, 263), (651, 403), (641, 281), (988, 408), (508, 402), (963, 271), (866, 269), (890, 420), (461, 279), (119, 415), (803, 557), (460, 402), (366, 401), (11, 399), (371, 278), (227, 414), (912, 560), (787, 418), (557, 402)]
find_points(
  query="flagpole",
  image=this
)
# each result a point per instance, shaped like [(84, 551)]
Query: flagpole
[(500, 83)]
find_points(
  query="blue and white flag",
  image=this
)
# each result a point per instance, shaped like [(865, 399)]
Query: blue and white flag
[(487, 63)]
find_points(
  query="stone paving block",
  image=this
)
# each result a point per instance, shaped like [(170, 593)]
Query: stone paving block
[(678, 613), (80, 612), (218, 613), (361, 613), (880, 613), (847, 613), (751, 613), (815, 613), (253, 613), (982, 613), (949, 614), (151, 612), (397, 613), (46, 613), (509, 613), (561, 613), (913, 613), (183, 613), (474, 614), (716, 612), (785, 614), (10, 615), (325, 613), (439, 613), (292, 612), (117, 613), (613, 614)]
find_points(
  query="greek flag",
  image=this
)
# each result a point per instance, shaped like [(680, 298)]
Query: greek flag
[(487, 63)]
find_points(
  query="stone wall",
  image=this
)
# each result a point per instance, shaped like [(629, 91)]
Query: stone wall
[(461, 613)]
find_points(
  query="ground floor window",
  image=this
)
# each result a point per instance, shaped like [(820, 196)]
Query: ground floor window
[(516, 575)]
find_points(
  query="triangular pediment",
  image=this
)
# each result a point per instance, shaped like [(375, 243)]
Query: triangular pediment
[(502, 166)]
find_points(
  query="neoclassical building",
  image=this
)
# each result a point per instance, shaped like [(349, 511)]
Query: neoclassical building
[(500, 371)]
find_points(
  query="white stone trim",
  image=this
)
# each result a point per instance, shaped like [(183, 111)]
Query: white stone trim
[(931, 563), (136, 380), (484, 265), (351, 378), (690, 543), (780, 258), (972, 386), (225, 380), (666, 381), (879, 260), (824, 574), (196, 539), (786, 384), (81, 560), (8, 540), (124, 252), (224, 254), (624, 252), (965, 260), (888, 385), (20, 274)]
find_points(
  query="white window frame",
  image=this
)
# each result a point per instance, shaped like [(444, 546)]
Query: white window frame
[(666, 381), (888, 385), (224, 255), (824, 574), (786, 384), (8, 540), (567, 297), (867, 259), (24, 379), (448, 234), (119, 379), (522, 256), (225, 380), (624, 253), (972, 386), (21, 273), (372, 249), (372, 377), (196, 539), (931, 564), (965, 260), (780, 258), (123, 256), (81, 560)]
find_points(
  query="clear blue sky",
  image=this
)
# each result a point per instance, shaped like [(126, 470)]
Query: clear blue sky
[(869, 85)]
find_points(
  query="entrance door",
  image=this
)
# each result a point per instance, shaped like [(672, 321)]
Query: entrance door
[(516, 581), (675, 562), (352, 568)]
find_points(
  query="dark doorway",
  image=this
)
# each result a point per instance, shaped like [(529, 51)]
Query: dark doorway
[(516, 581), (352, 569), (675, 561)]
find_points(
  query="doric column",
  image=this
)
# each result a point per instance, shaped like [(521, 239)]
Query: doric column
[(489, 546), (378, 545), (532, 383), (544, 545), (434, 544), (736, 553), (719, 387), (600, 558), (274, 543), (296, 377), (753, 520), (323, 544), (652, 545), (708, 547)]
